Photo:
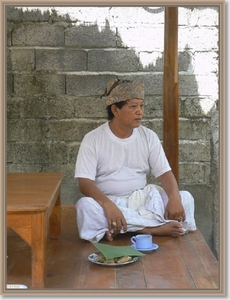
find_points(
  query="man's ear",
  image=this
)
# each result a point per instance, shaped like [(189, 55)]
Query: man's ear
[(114, 109)]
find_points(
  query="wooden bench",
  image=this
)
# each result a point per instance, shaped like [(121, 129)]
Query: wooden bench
[(179, 265), (33, 207), (184, 263)]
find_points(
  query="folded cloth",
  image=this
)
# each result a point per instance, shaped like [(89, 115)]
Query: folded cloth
[(138, 200), (146, 214), (110, 251)]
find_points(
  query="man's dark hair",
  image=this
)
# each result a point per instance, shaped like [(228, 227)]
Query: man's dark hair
[(109, 111)]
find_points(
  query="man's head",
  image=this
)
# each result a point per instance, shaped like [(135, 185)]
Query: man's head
[(118, 92)]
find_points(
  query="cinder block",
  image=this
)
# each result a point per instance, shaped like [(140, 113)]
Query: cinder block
[(9, 28), (198, 16), (194, 172), (28, 14), (204, 62), (70, 130), (197, 85), (72, 151), (196, 151), (116, 60), (90, 36), (124, 16), (9, 83), (153, 83), (32, 153), (155, 125), (90, 107), (70, 193), (193, 107), (142, 38), (10, 152), (61, 107), (195, 129), (26, 130), (151, 61), (20, 59), (34, 107), (58, 153), (13, 108), (25, 167), (36, 34), (26, 84), (61, 60), (153, 106), (199, 38), (136, 16), (87, 85), (203, 194), (14, 14)]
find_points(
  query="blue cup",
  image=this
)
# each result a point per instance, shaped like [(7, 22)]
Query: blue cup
[(142, 241)]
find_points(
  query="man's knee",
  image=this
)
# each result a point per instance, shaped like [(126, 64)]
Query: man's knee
[(186, 196), (83, 201)]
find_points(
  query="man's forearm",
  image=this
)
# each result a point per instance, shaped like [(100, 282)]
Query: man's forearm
[(170, 185), (89, 189)]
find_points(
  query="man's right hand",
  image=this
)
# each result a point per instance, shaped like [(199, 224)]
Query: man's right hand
[(115, 218)]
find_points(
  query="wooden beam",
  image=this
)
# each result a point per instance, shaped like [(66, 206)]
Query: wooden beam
[(171, 90)]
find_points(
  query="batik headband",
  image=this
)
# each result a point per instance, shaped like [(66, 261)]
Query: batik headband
[(122, 90)]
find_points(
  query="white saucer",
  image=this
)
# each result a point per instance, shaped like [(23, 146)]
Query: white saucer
[(154, 247)]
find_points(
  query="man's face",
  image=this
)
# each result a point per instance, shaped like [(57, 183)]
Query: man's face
[(130, 115)]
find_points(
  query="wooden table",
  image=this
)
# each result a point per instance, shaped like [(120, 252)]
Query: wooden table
[(33, 199)]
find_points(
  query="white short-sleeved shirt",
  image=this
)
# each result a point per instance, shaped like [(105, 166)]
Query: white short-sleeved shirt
[(119, 166)]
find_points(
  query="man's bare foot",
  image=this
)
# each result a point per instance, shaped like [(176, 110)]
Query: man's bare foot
[(108, 236), (173, 228)]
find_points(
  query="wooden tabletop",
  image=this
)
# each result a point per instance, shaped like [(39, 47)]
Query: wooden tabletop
[(31, 191)]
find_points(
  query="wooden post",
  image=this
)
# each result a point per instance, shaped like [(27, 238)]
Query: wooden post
[(171, 90)]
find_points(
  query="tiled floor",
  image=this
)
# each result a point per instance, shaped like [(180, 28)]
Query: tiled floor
[(185, 263)]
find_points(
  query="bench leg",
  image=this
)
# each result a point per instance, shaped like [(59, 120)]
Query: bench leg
[(55, 219), (38, 249)]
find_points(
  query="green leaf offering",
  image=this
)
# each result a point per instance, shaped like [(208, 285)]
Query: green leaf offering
[(110, 251)]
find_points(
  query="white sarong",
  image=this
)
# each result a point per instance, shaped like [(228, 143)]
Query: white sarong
[(143, 208)]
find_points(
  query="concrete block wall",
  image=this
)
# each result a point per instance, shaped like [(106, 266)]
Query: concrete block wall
[(59, 60)]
